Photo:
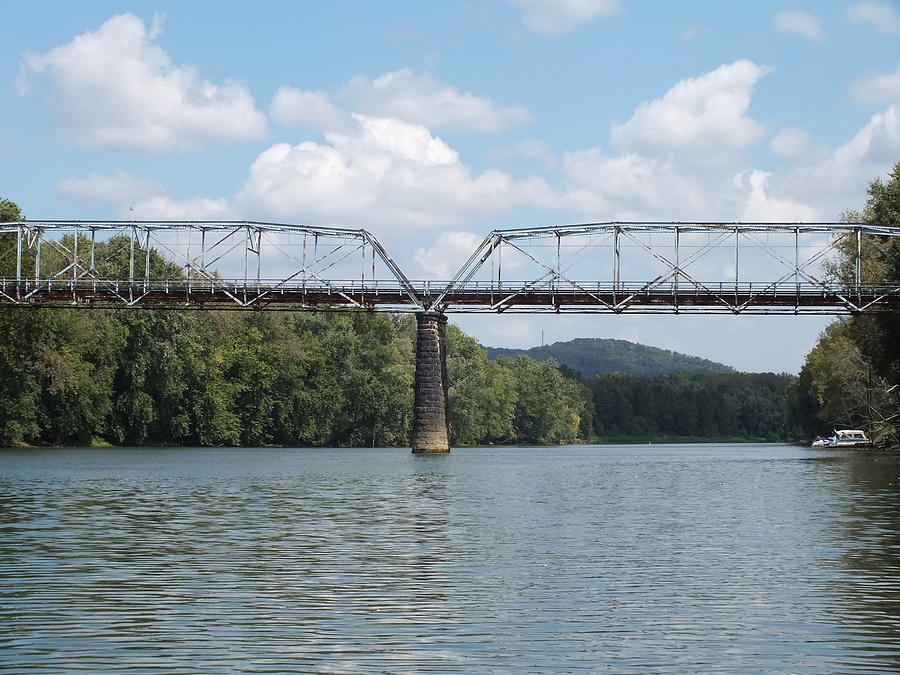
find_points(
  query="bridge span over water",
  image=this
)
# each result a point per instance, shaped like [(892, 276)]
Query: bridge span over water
[(611, 267), (616, 267)]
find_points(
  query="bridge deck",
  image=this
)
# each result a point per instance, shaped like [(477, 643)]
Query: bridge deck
[(586, 297)]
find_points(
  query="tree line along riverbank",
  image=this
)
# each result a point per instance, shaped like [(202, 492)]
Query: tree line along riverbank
[(329, 379)]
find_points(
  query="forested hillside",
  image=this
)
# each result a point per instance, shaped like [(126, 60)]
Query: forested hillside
[(597, 356)]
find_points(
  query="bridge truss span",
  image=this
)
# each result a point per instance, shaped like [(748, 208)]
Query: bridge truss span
[(197, 264), (669, 267), (612, 267)]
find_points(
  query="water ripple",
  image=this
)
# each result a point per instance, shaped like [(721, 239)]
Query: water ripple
[(583, 559)]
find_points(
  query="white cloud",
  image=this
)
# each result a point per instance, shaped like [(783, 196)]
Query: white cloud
[(386, 172), (882, 18), (702, 119), (312, 109), (795, 143), (633, 187), (141, 198), (798, 22), (114, 88), (422, 99), (558, 16), (118, 186), (162, 207), (877, 142), (837, 180), (403, 95), (446, 256), (763, 207), (877, 88)]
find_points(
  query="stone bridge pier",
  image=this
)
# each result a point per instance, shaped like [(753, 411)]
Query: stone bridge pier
[(430, 432)]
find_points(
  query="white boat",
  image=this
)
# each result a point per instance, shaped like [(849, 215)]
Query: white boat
[(849, 438)]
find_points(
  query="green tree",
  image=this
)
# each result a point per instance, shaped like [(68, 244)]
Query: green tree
[(481, 393), (853, 373)]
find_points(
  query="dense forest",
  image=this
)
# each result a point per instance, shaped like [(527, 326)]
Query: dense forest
[(345, 379), (724, 406), (597, 356)]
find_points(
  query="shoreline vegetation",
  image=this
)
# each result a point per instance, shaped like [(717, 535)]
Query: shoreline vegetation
[(305, 379)]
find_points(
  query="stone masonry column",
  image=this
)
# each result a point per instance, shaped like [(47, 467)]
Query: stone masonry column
[(430, 432)]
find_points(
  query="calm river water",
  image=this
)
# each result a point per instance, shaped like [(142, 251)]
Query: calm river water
[(710, 558)]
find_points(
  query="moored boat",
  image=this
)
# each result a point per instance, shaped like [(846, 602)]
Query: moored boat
[(844, 438)]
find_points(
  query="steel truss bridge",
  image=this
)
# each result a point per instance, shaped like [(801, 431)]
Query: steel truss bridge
[(614, 267)]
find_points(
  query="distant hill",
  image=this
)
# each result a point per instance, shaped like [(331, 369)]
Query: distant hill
[(596, 356)]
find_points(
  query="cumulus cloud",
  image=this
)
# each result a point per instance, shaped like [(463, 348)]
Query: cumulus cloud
[(763, 207), (446, 256), (114, 88), (837, 178), (385, 172), (553, 17), (403, 95), (139, 198), (798, 22), (702, 118), (310, 109), (632, 186), (881, 17), (877, 88), (795, 143), (422, 99)]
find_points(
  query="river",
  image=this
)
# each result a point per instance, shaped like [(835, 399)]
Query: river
[(675, 558)]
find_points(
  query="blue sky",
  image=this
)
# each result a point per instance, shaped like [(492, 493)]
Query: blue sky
[(431, 123)]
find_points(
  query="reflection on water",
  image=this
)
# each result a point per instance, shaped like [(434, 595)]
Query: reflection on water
[(673, 558)]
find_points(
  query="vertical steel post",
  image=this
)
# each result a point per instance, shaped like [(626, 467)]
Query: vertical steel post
[(492, 277), (797, 266), (858, 259), (316, 254), (246, 257), (203, 252), (258, 257), (558, 262), (93, 259), (189, 268), (131, 265), (147, 260), (500, 265), (616, 262), (557, 270), (737, 262), (677, 264), (75, 259), (305, 271), (19, 262), (37, 257)]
